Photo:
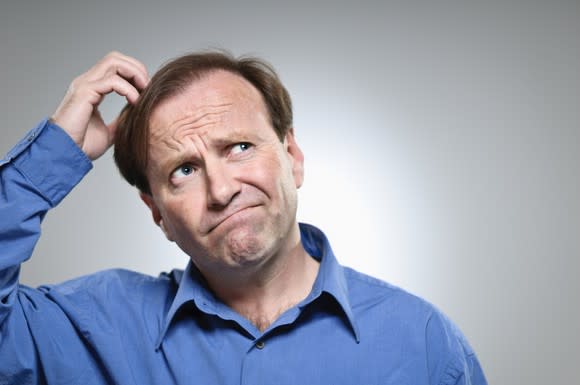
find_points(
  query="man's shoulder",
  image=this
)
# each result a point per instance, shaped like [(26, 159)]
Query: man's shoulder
[(387, 306), (118, 285), (374, 299), (365, 290)]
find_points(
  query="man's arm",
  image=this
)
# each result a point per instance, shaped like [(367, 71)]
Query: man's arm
[(450, 358), (36, 175)]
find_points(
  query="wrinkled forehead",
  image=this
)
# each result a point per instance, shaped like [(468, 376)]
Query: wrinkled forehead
[(214, 96)]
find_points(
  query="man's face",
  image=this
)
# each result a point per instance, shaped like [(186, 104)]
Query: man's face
[(223, 185)]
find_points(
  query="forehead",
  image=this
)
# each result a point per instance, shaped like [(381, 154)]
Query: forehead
[(217, 94)]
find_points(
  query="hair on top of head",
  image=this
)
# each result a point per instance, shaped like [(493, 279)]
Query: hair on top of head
[(132, 135)]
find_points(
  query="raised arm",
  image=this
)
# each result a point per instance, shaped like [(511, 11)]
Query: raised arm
[(36, 175)]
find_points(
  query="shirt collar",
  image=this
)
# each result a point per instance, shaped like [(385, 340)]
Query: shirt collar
[(192, 289), (330, 279)]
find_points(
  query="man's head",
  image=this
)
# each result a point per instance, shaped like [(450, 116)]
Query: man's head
[(132, 137), (221, 164)]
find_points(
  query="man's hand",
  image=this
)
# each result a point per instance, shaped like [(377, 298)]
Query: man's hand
[(78, 113)]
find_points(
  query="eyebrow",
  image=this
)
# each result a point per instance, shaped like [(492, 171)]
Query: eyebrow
[(175, 159), (180, 156)]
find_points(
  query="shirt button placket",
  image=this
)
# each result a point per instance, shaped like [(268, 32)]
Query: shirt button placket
[(253, 364)]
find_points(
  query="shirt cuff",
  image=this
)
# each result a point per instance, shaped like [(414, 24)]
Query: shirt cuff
[(50, 160)]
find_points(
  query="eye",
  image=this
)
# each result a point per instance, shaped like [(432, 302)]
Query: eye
[(241, 147), (183, 171)]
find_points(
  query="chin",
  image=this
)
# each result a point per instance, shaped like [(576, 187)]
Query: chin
[(243, 248)]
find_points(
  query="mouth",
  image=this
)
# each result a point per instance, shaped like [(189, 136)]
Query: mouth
[(221, 219)]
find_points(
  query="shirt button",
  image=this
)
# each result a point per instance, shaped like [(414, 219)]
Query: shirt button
[(260, 344)]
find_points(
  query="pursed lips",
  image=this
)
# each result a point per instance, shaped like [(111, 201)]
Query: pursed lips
[(215, 221)]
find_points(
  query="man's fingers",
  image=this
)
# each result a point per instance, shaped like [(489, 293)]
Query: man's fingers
[(78, 112), (118, 84), (116, 63), (135, 62), (127, 71)]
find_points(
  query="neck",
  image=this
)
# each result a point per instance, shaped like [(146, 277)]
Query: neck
[(262, 293)]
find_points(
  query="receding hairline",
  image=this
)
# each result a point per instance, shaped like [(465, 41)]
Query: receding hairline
[(248, 89)]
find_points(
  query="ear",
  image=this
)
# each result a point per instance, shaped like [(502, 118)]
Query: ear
[(296, 157), (157, 218)]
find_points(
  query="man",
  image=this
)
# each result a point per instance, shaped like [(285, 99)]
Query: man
[(209, 143)]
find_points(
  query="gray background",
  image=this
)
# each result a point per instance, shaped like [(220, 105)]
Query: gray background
[(441, 142)]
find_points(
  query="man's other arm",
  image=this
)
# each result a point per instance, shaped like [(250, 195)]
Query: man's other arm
[(450, 358), (34, 177)]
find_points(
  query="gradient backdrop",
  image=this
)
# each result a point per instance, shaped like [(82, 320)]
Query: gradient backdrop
[(441, 141)]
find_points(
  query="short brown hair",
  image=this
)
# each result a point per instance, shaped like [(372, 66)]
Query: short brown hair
[(132, 136)]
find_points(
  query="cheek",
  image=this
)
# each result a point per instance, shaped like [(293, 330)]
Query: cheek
[(180, 216), (268, 167), (265, 177), (276, 180)]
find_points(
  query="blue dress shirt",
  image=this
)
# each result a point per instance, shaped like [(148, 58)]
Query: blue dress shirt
[(122, 327)]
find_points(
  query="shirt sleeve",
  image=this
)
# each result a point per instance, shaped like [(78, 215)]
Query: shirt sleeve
[(35, 176), (450, 358)]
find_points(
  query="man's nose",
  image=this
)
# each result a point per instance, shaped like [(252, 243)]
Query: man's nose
[(222, 186)]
